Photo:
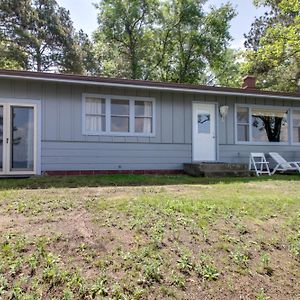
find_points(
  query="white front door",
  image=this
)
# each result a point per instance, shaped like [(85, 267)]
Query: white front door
[(204, 132), (18, 138)]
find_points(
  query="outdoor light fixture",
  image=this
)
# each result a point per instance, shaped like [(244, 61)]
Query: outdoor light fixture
[(224, 111)]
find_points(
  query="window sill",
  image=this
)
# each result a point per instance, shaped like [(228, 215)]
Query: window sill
[(265, 144)]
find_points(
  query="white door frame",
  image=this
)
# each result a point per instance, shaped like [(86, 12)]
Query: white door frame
[(7, 103), (216, 127)]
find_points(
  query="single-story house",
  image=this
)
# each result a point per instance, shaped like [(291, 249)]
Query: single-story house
[(57, 124)]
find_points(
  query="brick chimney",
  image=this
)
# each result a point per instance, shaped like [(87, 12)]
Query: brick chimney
[(249, 82)]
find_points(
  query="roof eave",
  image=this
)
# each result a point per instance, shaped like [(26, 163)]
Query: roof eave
[(148, 87)]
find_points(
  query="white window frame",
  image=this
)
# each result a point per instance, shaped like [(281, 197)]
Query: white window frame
[(255, 106), (108, 131)]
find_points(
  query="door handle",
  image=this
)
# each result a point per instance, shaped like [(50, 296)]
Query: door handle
[(7, 140)]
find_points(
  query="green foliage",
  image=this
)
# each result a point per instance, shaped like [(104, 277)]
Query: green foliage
[(274, 46), (39, 35), (294, 241), (163, 40), (185, 263), (261, 295), (3, 284), (241, 257), (152, 272), (7, 59), (99, 288), (228, 71)]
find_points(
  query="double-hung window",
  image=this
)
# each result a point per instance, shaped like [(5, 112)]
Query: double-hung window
[(243, 125), (143, 114), (118, 115), (260, 124)]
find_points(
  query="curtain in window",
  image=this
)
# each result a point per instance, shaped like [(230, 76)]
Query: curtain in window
[(148, 120), (95, 114)]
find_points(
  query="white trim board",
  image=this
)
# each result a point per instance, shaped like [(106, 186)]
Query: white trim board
[(156, 88)]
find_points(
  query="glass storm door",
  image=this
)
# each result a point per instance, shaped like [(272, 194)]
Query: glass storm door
[(17, 139), (204, 132)]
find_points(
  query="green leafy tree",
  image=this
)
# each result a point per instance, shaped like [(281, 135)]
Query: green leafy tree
[(39, 35), (8, 59), (274, 46), (173, 40), (228, 71), (121, 34), (198, 41)]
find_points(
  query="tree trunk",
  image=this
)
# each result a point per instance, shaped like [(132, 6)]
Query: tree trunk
[(38, 60)]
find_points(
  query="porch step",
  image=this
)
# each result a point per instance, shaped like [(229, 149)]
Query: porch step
[(217, 169)]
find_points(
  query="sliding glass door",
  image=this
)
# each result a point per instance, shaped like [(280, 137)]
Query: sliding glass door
[(18, 139)]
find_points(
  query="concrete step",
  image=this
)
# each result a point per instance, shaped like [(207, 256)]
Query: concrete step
[(216, 169)]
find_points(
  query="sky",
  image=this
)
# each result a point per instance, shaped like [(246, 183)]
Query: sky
[(84, 16)]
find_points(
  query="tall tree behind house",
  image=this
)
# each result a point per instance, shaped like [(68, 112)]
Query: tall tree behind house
[(39, 35)]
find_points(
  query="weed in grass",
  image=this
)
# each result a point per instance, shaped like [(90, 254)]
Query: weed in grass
[(152, 272), (67, 294), (82, 247), (76, 283), (294, 244), (166, 292), (206, 268), (261, 295), (231, 239), (207, 271), (16, 292), (16, 266), (242, 228), (138, 293), (99, 288), (265, 264), (41, 244), (33, 262), (275, 243), (185, 263), (3, 284), (241, 257), (178, 280), (117, 292), (157, 233), (51, 275)]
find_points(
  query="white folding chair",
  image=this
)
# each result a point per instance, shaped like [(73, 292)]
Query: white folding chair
[(259, 164), (283, 165)]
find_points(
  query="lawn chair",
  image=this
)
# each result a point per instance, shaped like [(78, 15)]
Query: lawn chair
[(283, 165), (259, 164)]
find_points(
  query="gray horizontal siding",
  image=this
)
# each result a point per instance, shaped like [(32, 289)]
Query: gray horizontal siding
[(241, 153), (111, 156), (62, 111), (65, 148)]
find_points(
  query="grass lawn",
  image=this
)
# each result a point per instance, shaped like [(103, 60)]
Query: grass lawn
[(150, 237)]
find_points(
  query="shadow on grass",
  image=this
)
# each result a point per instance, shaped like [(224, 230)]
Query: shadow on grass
[(45, 182)]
